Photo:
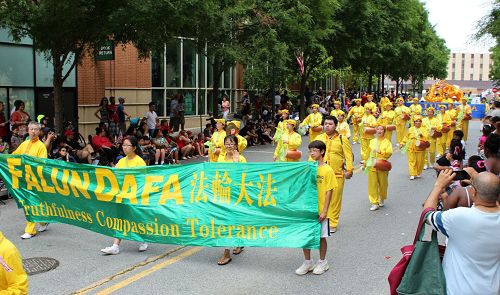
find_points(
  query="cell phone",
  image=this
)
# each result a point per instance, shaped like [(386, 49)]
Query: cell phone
[(461, 175)]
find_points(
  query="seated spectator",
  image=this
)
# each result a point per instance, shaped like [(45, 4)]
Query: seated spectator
[(4, 146), (263, 133), (83, 153), (160, 144), (173, 155), (63, 155), (208, 131), (147, 149), (184, 145), (200, 140), (165, 128), (471, 263), (15, 140), (101, 142)]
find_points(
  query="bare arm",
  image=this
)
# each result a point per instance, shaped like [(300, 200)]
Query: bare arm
[(443, 180), (328, 197)]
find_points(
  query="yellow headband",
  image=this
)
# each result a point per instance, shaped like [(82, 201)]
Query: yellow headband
[(337, 102), (415, 99), (400, 99), (285, 111), (223, 121), (314, 105), (340, 112), (431, 109), (236, 123), (417, 118), (291, 122)]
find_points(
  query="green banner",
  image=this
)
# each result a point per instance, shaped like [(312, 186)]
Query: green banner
[(206, 204)]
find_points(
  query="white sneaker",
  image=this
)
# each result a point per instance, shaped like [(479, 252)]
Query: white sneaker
[(425, 167), (321, 267), (374, 207), (113, 250), (143, 247), (306, 267), (333, 230), (381, 203), (183, 158), (42, 228), (26, 236), (412, 177), (420, 175)]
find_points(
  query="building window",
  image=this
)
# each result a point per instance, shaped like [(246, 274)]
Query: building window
[(454, 55), (157, 68), (188, 63), (481, 56), (463, 55), (158, 98), (16, 66), (472, 56), (471, 77), (472, 65), (480, 77), (480, 65), (453, 65), (173, 66)]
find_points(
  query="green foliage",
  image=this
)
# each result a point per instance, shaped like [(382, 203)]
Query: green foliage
[(490, 26)]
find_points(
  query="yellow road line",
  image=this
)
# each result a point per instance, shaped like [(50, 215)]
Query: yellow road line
[(127, 270), (149, 271)]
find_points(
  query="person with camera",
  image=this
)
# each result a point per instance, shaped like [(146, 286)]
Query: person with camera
[(471, 263)]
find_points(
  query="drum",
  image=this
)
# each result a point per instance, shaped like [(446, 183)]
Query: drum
[(317, 129), (467, 117), (293, 155), (382, 165), (370, 130), (436, 134), (453, 123), (445, 129), (217, 151), (390, 127), (422, 144), (405, 117)]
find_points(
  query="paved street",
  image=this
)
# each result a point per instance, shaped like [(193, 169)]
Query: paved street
[(361, 253)]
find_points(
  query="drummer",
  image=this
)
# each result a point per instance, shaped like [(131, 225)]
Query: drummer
[(401, 119), (415, 144), (387, 119), (217, 140), (288, 143), (368, 123), (433, 126), (356, 112), (380, 150), (445, 123), (314, 121), (342, 126)]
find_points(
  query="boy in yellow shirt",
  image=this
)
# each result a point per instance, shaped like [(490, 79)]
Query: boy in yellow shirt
[(326, 183), (13, 278)]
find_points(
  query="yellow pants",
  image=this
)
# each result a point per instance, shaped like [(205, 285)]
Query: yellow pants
[(430, 153), (377, 185), (400, 131), (441, 144), (449, 136), (365, 148), (465, 128), (336, 202), (416, 162), (31, 227), (388, 135), (355, 133)]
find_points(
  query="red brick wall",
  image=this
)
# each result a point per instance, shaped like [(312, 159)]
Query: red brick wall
[(126, 71)]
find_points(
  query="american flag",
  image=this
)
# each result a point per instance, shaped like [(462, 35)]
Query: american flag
[(300, 62)]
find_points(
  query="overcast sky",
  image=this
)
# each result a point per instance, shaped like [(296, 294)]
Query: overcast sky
[(456, 21)]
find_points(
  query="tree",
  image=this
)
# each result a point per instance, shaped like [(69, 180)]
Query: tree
[(490, 26)]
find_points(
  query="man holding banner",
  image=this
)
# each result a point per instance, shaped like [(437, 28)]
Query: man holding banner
[(33, 146)]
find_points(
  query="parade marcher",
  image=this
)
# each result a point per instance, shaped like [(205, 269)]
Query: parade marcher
[(13, 278), (281, 128), (217, 141), (289, 142), (356, 112), (453, 115), (383, 101), (242, 142), (415, 143), (415, 108), (464, 115), (368, 124), (335, 112), (433, 126), (133, 158), (445, 122), (327, 185), (36, 148), (342, 126), (370, 104), (380, 150), (386, 119), (313, 120), (401, 119), (339, 157), (231, 155)]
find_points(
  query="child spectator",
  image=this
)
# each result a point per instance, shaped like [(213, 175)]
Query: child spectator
[(160, 144), (184, 145), (15, 139), (457, 150), (4, 146), (326, 183), (165, 128), (487, 129)]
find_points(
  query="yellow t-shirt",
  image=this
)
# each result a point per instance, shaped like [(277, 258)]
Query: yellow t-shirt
[(15, 281), (134, 162), (222, 159), (326, 181)]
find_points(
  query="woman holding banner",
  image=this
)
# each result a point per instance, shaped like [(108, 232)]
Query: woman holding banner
[(377, 168), (290, 141), (217, 141), (231, 156), (132, 159)]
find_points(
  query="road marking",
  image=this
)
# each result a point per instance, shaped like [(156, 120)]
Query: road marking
[(127, 270), (149, 271)]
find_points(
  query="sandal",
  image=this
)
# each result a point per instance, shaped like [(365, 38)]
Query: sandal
[(225, 259), (238, 250)]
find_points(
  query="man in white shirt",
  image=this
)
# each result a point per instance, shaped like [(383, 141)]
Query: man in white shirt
[(151, 119), (471, 262)]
